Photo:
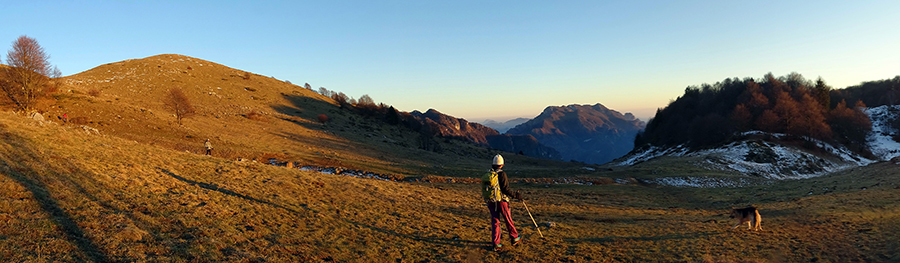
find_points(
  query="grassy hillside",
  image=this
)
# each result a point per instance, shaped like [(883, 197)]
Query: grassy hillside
[(252, 116), (72, 196)]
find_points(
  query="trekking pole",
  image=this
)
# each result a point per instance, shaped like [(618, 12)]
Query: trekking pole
[(532, 219)]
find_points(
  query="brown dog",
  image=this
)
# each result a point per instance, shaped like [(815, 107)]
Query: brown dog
[(749, 215)]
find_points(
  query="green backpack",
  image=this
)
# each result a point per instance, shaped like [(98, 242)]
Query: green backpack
[(490, 187)]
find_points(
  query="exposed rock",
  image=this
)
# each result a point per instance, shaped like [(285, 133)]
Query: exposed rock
[(37, 116), (90, 130), (442, 125)]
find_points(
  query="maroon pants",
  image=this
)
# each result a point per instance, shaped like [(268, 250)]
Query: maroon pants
[(499, 209)]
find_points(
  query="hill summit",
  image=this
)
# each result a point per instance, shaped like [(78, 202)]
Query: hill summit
[(255, 117)]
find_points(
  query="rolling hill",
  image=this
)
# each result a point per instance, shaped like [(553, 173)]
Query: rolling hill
[(254, 117)]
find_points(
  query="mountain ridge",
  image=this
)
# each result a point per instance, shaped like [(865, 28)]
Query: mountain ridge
[(586, 133), (125, 99)]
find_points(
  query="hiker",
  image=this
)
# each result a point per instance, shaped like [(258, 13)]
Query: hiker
[(208, 147), (496, 194), (65, 118)]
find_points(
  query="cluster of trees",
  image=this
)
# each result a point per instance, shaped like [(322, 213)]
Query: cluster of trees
[(28, 75), (711, 114), (365, 101), (872, 93), (366, 106)]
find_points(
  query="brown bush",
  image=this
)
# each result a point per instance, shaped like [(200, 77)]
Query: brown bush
[(322, 118), (256, 116), (94, 92)]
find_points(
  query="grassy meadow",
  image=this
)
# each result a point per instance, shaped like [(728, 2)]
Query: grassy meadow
[(72, 196)]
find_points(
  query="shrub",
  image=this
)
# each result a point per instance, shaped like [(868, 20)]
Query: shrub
[(94, 92), (255, 115), (322, 118)]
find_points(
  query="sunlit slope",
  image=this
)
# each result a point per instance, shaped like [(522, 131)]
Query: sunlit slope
[(252, 116)]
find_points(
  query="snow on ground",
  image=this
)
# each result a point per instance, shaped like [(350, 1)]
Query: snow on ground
[(653, 152), (763, 159), (880, 140), (775, 161), (703, 182)]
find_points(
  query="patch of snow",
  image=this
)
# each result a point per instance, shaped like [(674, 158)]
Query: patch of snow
[(701, 182), (880, 140), (653, 152), (760, 159)]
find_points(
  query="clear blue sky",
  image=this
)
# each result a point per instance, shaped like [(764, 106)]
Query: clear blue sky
[(482, 59)]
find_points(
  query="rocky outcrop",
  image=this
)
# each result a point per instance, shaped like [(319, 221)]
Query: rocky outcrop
[(442, 125), (438, 124)]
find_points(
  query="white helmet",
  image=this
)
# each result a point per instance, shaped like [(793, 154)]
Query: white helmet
[(498, 160)]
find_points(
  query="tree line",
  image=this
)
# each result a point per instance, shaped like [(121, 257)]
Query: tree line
[(708, 115)]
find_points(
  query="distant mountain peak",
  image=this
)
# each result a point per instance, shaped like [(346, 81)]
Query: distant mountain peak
[(587, 133), (502, 127)]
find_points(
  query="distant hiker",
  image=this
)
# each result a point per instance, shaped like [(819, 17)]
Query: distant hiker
[(208, 147), (495, 191), (65, 118)]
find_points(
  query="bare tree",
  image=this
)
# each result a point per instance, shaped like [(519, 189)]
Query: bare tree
[(366, 101), (27, 75), (179, 103)]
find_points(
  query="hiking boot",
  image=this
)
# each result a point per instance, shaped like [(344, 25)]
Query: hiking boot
[(515, 241), (498, 247)]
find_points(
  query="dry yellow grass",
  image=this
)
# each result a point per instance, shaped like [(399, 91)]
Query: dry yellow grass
[(72, 196), (283, 124)]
